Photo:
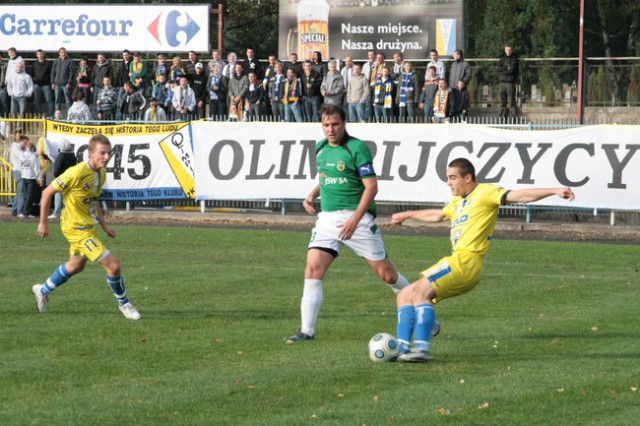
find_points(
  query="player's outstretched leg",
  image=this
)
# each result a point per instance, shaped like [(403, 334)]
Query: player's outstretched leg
[(41, 291), (425, 316), (119, 291)]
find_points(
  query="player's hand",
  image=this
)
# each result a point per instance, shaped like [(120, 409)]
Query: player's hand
[(566, 193), (398, 218), (308, 206), (347, 229), (43, 229), (110, 232)]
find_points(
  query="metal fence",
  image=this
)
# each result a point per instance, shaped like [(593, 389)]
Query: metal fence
[(543, 82), (552, 82)]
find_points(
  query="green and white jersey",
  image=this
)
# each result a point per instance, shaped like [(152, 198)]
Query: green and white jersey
[(341, 170)]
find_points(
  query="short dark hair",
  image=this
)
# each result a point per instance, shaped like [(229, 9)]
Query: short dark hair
[(464, 166), (98, 139), (329, 109)]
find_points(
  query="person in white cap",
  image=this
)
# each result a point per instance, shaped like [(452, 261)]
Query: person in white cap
[(198, 83)]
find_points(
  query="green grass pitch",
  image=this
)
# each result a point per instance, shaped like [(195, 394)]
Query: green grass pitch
[(550, 335)]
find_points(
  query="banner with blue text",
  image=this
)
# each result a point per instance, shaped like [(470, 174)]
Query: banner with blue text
[(88, 28), (148, 161)]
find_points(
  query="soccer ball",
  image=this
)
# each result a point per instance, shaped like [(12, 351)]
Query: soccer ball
[(383, 347)]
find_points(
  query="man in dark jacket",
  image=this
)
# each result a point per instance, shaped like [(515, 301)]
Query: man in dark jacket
[(100, 70), (41, 76), (312, 98), (508, 69), (122, 75), (65, 159), (132, 103), (251, 63), (4, 97), (198, 83), (62, 78)]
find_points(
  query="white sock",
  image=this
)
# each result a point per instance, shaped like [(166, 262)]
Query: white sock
[(310, 305), (400, 284)]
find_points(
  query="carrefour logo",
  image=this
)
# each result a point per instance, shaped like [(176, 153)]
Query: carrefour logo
[(173, 28)]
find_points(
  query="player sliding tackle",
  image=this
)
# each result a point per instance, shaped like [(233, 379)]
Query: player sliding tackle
[(473, 212)]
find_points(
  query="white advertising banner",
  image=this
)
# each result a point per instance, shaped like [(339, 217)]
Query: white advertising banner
[(148, 162), (87, 28), (277, 160)]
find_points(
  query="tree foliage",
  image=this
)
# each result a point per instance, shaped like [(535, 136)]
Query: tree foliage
[(549, 28), (251, 24)]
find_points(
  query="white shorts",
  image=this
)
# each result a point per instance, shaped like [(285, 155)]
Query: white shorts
[(366, 240)]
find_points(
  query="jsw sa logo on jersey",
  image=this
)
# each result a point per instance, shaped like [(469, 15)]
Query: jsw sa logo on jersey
[(173, 28), (335, 180)]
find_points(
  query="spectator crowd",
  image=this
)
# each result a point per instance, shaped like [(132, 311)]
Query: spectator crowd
[(235, 89)]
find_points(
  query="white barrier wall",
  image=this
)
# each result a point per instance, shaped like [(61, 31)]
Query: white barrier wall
[(243, 161)]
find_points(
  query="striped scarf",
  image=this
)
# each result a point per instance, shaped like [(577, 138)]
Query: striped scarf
[(383, 92), (440, 103), (276, 89), (267, 76), (376, 73), (215, 81), (291, 94), (406, 88)]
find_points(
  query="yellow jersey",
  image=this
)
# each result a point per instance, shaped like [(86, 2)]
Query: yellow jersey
[(474, 217), (80, 186)]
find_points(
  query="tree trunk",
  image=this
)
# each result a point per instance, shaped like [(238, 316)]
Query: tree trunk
[(634, 33), (611, 81)]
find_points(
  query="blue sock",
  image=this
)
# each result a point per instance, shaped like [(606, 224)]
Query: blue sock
[(425, 318), (60, 276), (117, 286), (405, 327)]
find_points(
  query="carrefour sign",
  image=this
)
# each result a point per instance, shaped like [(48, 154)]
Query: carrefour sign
[(88, 28)]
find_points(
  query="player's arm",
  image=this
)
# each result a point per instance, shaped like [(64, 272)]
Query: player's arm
[(366, 199), (45, 203), (307, 203), (427, 215), (531, 195), (103, 223)]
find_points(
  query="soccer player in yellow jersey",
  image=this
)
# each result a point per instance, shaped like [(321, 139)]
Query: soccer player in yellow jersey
[(81, 186), (473, 212)]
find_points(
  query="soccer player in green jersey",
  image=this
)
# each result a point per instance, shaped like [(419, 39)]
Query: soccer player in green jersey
[(473, 212), (81, 186), (347, 188)]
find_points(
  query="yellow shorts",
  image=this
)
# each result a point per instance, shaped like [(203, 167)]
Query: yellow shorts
[(85, 243), (454, 275)]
